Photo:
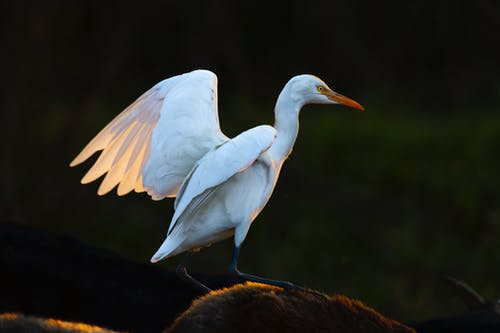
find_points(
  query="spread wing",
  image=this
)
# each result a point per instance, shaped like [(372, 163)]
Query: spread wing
[(154, 143), (218, 165)]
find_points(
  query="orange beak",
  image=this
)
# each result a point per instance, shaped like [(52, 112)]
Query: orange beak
[(341, 99)]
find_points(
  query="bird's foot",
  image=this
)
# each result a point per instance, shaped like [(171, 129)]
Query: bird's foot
[(278, 283), (184, 275)]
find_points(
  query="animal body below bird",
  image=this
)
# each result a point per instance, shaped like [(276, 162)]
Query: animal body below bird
[(169, 144)]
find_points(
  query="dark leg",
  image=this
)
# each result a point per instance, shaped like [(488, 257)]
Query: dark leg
[(233, 268), (184, 275)]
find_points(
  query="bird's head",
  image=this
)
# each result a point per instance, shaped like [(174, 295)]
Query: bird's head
[(310, 89)]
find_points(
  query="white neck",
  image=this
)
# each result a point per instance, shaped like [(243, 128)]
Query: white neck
[(287, 125)]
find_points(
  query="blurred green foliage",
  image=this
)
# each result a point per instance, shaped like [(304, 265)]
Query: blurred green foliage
[(376, 205)]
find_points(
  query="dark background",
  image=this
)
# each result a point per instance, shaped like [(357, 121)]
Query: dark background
[(376, 205)]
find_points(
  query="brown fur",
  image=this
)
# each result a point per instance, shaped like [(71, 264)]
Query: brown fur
[(18, 323), (253, 307)]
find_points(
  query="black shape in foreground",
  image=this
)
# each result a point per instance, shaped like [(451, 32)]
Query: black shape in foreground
[(255, 307), (55, 276), (46, 274), (19, 323), (482, 316)]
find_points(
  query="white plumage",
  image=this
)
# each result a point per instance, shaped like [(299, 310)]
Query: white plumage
[(169, 144)]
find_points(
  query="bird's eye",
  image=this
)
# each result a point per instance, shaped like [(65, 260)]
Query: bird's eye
[(321, 88)]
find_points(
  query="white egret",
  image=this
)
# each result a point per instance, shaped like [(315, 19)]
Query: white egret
[(169, 144)]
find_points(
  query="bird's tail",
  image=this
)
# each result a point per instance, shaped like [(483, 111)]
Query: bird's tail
[(167, 249)]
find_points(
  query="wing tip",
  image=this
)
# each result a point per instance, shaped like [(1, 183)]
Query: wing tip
[(122, 192), (83, 155), (90, 177), (78, 160), (85, 180), (104, 190)]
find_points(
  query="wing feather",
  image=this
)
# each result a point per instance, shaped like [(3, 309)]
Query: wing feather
[(113, 129), (139, 186), (129, 181), (122, 159), (154, 143), (135, 164), (105, 161), (218, 165)]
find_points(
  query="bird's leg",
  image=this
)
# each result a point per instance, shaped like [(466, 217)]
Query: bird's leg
[(233, 268), (184, 275)]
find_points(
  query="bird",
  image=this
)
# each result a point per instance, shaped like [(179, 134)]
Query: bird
[(168, 143)]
